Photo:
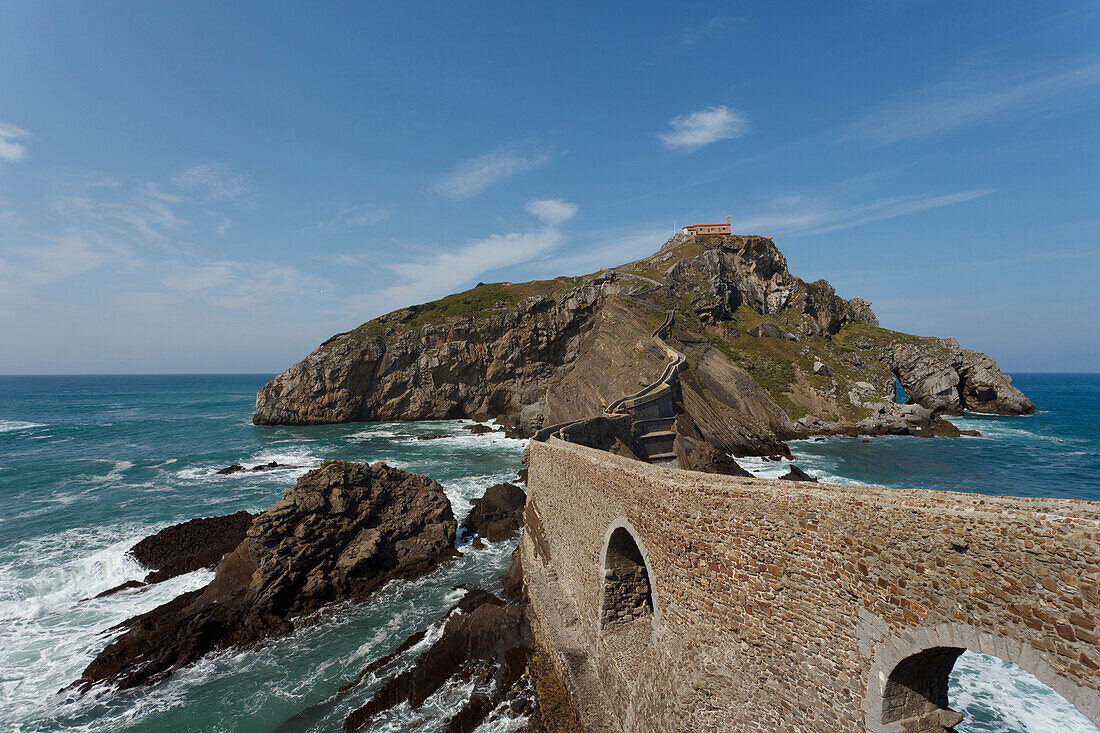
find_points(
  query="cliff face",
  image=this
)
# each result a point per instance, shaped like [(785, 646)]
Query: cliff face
[(769, 356)]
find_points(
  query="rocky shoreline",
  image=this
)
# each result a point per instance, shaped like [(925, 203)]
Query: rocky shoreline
[(341, 532)]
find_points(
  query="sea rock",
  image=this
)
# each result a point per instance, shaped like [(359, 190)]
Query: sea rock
[(478, 429), (484, 641), (229, 470), (985, 389), (797, 474), (191, 545), (271, 467), (497, 514), (341, 532), (432, 436)]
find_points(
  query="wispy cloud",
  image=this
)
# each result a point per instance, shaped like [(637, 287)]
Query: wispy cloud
[(553, 212), (214, 182), (57, 259), (694, 35), (970, 99), (473, 176), (449, 271), (703, 127), (358, 216), (797, 215), (10, 150), (230, 284), (607, 248)]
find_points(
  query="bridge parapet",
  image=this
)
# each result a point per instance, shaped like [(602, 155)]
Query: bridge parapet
[(786, 606)]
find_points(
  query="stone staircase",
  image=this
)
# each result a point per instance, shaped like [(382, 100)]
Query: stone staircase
[(652, 408)]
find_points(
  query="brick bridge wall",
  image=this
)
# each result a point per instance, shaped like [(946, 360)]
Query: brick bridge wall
[(787, 606)]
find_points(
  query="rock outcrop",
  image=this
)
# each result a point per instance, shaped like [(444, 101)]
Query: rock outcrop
[(497, 514), (764, 352), (342, 531), (191, 545)]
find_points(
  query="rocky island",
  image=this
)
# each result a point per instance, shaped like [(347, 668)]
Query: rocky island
[(766, 356)]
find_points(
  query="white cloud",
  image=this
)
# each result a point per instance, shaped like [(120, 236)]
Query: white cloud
[(608, 249), (10, 150), (796, 215), (971, 98), (703, 127), (473, 176), (214, 182), (359, 216), (60, 258), (553, 212), (440, 273), (230, 284)]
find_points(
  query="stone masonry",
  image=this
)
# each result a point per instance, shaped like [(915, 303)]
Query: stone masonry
[(779, 606)]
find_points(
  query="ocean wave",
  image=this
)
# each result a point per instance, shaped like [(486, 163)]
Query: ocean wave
[(10, 426), (998, 697), (115, 474), (52, 624)]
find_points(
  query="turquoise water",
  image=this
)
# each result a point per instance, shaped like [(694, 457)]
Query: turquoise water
[(89, 465)]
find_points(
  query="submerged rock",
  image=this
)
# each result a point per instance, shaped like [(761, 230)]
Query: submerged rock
[(497, 514), (341, 532)]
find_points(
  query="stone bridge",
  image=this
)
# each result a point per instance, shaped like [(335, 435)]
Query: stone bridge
[(674, 600)]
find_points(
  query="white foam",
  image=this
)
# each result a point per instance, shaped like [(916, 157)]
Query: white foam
[(997, 697), (10, 426), (51, 625), (115, 474)]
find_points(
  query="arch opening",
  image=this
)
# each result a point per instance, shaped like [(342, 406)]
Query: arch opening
[(986, 691), (627, 594)]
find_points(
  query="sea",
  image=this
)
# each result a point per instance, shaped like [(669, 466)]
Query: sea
[(89, 465)]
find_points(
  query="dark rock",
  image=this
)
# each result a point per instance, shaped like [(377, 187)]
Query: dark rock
[(433, 436), (522, 476), (479, 429), (191, 545), (124, 586), (271, 467), (970, 433), (797, 474), (497, 514), (235, 468), (483, 640), (698, 455), (341, 532)]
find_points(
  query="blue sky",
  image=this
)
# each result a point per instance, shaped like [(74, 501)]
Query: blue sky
[(218, 187)]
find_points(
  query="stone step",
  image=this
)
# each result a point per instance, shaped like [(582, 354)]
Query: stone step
[(662, 457)]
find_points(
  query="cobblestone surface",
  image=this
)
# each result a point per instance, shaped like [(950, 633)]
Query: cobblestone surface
[(783, 606)]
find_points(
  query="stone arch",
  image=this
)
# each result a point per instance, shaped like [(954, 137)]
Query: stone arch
[(907, 686), (626, 588)]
